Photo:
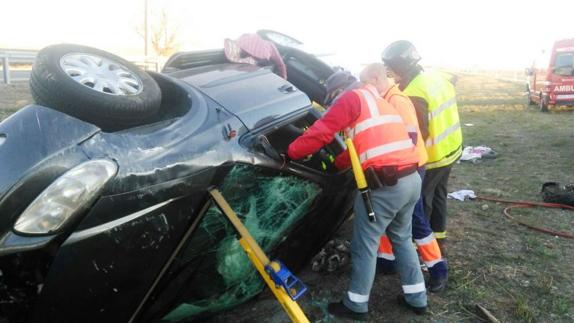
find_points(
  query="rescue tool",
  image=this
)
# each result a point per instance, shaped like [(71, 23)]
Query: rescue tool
[(361, 180), (285, 286)]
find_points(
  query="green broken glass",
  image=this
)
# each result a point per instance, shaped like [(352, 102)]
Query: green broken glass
[(268, 205)]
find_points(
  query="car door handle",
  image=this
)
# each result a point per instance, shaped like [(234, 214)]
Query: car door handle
[(287, 88)]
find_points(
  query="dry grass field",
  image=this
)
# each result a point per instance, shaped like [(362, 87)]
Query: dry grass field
[(519, 275)]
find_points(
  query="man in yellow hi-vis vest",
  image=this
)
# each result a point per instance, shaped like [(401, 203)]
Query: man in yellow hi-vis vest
[(434, 99)]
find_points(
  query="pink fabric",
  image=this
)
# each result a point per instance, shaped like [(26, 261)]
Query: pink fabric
[(257, 48), (233, 53)]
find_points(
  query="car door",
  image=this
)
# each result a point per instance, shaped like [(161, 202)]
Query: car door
[(290, 210)]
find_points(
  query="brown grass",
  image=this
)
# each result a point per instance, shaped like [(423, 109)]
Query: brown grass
[(517, 274)]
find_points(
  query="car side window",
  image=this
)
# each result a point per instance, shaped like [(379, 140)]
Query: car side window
[(221, 275), (276, 140)]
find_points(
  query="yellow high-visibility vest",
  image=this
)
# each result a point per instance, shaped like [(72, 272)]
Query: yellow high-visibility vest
[(444, 144)]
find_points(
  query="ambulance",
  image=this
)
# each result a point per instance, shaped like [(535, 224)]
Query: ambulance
[(550, 79)]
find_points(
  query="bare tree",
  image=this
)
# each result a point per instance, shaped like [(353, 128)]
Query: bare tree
[(164, 36), (163, 33)]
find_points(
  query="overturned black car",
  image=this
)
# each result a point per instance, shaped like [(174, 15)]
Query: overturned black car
[(104, 210)]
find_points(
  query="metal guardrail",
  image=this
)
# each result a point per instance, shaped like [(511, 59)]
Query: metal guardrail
[(12, 57), (148, 65), (15, 56)]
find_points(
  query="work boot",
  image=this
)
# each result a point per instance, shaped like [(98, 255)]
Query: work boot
[(340, 310), (416, 309), (438, 277), (437, 283)]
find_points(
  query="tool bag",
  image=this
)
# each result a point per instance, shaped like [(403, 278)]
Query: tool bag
[(553, 192), (386, 175)]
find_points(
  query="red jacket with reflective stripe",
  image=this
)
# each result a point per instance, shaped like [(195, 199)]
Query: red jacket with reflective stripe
[(379, 133), (343, 114)]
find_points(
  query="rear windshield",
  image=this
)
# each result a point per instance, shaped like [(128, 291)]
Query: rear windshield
[(564, 64)]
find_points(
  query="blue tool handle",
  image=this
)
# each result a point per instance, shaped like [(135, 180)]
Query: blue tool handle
[(282, 277)]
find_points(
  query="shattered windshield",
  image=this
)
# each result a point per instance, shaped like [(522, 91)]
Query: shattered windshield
[(269, 205), (564, 64)]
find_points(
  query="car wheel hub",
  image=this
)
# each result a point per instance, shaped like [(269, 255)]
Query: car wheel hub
[(101, 74)]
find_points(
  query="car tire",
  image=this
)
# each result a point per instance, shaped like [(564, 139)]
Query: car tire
[(543, 104), (94, 86)]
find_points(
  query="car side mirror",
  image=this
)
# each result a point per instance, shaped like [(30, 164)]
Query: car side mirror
[(529, 71)]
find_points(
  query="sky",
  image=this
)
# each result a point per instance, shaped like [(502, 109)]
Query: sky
[(485, 34)]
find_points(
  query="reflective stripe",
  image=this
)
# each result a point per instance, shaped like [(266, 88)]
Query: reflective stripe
[(447, 104), (387, 256), (440, 235), (371, 103), (412, 289), (385, 149), (358, 298), (446, 160), (429, 264), (411, 129), (426, 240), (350, 132), (434, 141), (377, 121), (430, 252)]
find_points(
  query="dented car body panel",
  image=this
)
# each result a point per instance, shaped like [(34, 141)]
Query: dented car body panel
[(152, 247)]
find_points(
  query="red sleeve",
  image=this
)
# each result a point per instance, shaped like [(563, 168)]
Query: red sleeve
[(339, 116), (343, 160)]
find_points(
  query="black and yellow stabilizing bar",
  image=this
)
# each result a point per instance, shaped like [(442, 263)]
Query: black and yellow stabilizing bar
[(285, 286), (361, 180)]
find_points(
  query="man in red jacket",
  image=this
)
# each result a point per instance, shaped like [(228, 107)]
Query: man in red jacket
[(383, 145)]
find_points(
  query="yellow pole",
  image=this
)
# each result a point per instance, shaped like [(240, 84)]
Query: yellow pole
[(259, 260), (361, 180), (291, 307), (357, 169), (228, 211)]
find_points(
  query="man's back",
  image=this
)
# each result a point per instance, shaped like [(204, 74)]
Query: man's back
[(444, 142), (406, 109)]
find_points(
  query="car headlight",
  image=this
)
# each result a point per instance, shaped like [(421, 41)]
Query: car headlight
[(65, 197)]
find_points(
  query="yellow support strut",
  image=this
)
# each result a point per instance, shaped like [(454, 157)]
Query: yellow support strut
[(259, 260)]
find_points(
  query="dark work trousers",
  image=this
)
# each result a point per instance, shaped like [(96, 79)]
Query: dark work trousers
[(434, 198)]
